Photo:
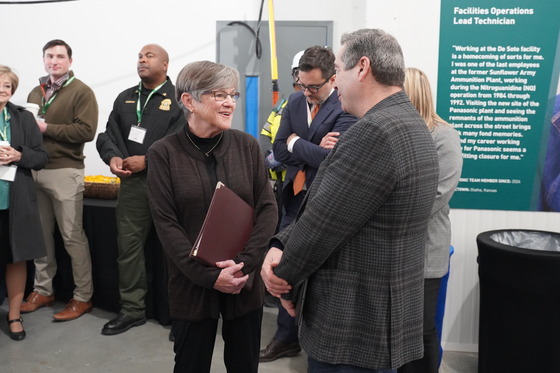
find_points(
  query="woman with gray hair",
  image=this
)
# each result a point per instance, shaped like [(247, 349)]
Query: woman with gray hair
[(184, 170)]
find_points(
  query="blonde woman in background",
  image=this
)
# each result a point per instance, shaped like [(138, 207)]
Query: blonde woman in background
[(448, 146)]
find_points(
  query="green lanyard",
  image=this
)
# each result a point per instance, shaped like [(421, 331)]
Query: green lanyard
[(49, 102), (4, 132), (140, 112)]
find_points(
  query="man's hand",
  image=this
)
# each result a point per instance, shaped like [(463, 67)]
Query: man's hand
[(330, 140), (274, 284), (117, 168), (135, 164), (289, 306), (291, 137), (42, 125), (231, 280)]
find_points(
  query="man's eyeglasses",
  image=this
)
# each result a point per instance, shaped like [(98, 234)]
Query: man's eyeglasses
[(312, 88), (221, 96)]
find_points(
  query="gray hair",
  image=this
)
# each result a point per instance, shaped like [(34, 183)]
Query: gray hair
[(202, 76), (382, 50)]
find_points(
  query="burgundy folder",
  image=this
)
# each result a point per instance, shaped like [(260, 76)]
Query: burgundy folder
[(226, 228)]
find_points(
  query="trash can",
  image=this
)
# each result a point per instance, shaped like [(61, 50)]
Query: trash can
[(519, 273)]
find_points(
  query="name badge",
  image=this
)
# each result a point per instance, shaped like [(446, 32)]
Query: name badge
[(137, 134), (8, 173)]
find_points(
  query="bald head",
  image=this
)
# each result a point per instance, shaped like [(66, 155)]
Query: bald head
[(156, 48), (152, 65)]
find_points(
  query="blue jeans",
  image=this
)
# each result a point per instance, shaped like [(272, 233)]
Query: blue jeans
[(315, 366)]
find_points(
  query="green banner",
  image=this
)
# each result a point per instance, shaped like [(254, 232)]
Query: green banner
[(496, 84)]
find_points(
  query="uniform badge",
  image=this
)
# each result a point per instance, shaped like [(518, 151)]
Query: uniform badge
[(165, 105)]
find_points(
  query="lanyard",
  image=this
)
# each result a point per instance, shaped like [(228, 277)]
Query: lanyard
[(49, 102), (4, 131), (140, 112)]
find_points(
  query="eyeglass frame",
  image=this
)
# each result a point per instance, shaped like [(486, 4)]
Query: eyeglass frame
[(312, 88), (234, 96)]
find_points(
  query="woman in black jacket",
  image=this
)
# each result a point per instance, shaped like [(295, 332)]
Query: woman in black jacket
[(21, 239)]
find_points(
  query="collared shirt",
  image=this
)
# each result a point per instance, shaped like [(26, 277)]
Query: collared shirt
[(52, 87)]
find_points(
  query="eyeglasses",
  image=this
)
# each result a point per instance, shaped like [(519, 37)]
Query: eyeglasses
[(312, 88), (221, 96)]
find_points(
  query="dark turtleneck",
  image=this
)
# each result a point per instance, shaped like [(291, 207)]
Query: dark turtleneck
[(204, 145)]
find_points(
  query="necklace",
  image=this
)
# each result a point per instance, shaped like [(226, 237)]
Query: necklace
[(207, 154)]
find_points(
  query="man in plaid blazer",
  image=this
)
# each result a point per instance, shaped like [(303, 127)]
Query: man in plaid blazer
[(359, 237)]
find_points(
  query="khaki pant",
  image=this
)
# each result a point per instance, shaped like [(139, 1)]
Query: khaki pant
[(60, 196)]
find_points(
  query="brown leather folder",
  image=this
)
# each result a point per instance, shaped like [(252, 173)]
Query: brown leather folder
[(226, 228)]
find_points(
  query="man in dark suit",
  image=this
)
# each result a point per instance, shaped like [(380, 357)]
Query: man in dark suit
[(359, 237), (311, 124)]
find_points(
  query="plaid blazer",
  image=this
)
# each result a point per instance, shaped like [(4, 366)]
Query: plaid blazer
[(359, 238)]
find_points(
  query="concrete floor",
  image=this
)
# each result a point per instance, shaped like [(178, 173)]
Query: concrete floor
[(78, 346)]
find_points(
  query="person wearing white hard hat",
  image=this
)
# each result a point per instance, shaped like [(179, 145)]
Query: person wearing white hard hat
[(295, 64), (277, 170)]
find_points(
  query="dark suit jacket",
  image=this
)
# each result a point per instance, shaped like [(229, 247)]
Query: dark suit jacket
[(359, 238), (307, 154)]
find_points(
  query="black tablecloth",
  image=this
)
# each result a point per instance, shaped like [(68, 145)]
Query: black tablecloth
[(101, 230)]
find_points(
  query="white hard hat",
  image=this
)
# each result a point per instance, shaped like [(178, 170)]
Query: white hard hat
[(297, 57)]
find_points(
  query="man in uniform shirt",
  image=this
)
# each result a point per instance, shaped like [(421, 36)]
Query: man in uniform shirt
[(141, 115)]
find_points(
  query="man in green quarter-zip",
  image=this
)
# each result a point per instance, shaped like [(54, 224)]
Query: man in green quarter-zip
[(67, 119)]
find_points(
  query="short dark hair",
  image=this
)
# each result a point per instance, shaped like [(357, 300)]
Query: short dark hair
[(318, 57), (54, 43)]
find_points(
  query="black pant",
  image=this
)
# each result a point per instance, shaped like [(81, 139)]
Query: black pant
[(194, 344), (5, 247), (287, 330), (291, 205), (430, 362)]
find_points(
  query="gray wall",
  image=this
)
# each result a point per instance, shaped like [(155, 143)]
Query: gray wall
[(236, 47)]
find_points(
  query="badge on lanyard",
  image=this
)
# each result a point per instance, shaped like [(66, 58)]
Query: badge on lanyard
[(137, 134), (7, 173)]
